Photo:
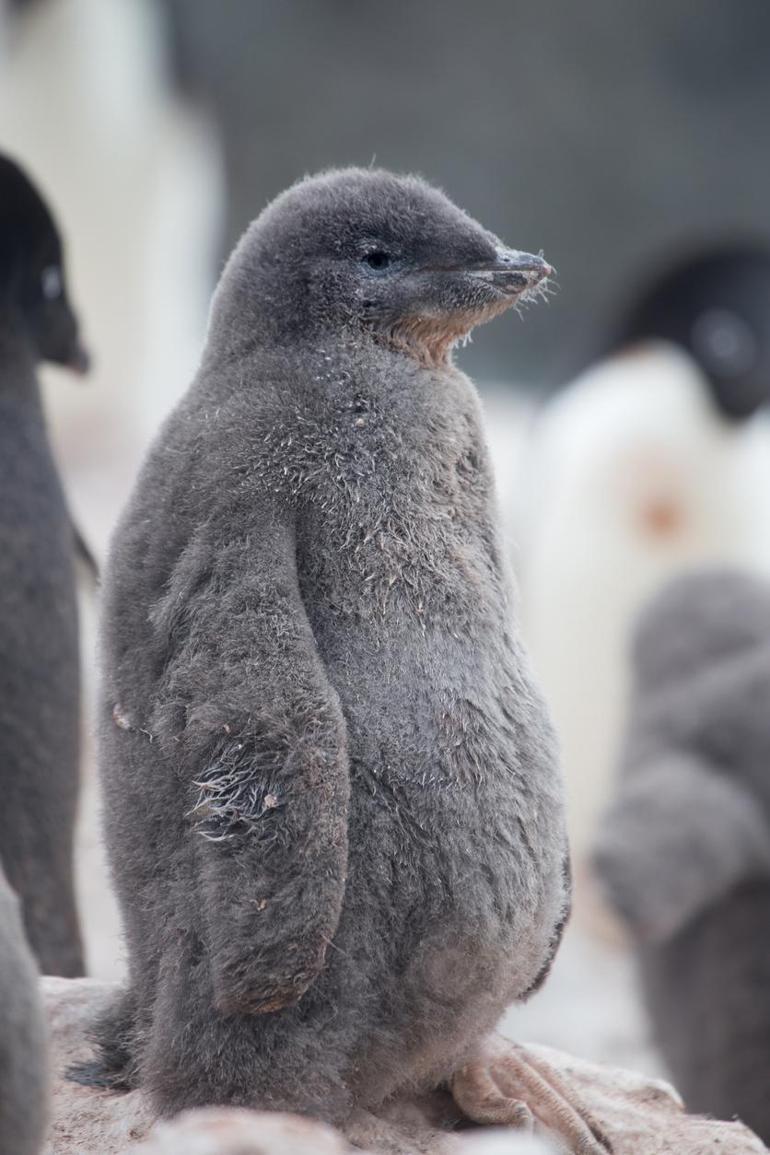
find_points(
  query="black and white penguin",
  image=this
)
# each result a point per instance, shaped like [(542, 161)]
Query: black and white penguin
[(651, 462), (39, 675)]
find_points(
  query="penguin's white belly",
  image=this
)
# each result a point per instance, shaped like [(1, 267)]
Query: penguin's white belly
[(634, 479)]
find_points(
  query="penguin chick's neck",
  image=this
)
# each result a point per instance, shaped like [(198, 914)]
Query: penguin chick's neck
[(430, 340), (427, 339)]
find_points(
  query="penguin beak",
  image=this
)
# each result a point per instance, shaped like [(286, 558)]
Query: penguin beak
[(512, 271), (79, 360)]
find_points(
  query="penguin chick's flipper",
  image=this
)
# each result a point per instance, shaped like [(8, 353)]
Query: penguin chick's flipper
[(679, 836), (505, 1085), (252, 723)]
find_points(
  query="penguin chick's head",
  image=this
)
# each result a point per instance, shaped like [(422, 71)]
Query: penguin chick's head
[(714, 305), (33, 294), (697, 620), (366, 252)]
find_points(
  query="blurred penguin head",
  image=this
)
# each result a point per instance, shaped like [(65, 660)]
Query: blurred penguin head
[(715, 306), (365, 251), (33, 291), (698, 619)]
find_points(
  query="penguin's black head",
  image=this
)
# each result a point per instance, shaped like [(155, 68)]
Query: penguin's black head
[(33, 292), (715, 306), (364, 249), (698, 619)]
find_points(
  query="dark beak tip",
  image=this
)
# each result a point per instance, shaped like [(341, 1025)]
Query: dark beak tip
[(534, 268), (80, 361)]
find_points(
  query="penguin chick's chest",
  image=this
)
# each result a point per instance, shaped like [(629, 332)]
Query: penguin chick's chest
[(394, 512), (406, 593)]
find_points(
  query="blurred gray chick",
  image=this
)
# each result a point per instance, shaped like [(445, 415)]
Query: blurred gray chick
[(684, 851)]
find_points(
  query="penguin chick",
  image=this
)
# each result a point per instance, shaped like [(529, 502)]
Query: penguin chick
[(39, 674), (652, 462), (23, 1061), (684, 851), (332, 799)]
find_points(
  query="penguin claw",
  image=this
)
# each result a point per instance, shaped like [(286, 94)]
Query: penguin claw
[(503, 1084)]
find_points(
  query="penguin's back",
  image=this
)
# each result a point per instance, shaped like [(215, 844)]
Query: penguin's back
[(38, 613)]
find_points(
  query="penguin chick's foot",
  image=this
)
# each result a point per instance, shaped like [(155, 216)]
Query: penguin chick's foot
[(505, 1085)]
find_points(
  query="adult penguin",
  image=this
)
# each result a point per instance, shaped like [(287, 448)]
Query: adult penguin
[(39, 659), (652, 461)]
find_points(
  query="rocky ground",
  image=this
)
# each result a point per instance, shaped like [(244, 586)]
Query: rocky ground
[(640, 1116)]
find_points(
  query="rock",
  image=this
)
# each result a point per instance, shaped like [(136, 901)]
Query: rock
[(641, 1116), (499, 1141), (85, 1121), (227, 1131)]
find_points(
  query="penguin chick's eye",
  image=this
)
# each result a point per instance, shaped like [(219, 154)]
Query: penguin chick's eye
[(378, 260), (51, 282)]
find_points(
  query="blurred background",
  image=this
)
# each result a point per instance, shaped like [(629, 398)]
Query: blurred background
[(614, 136)]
